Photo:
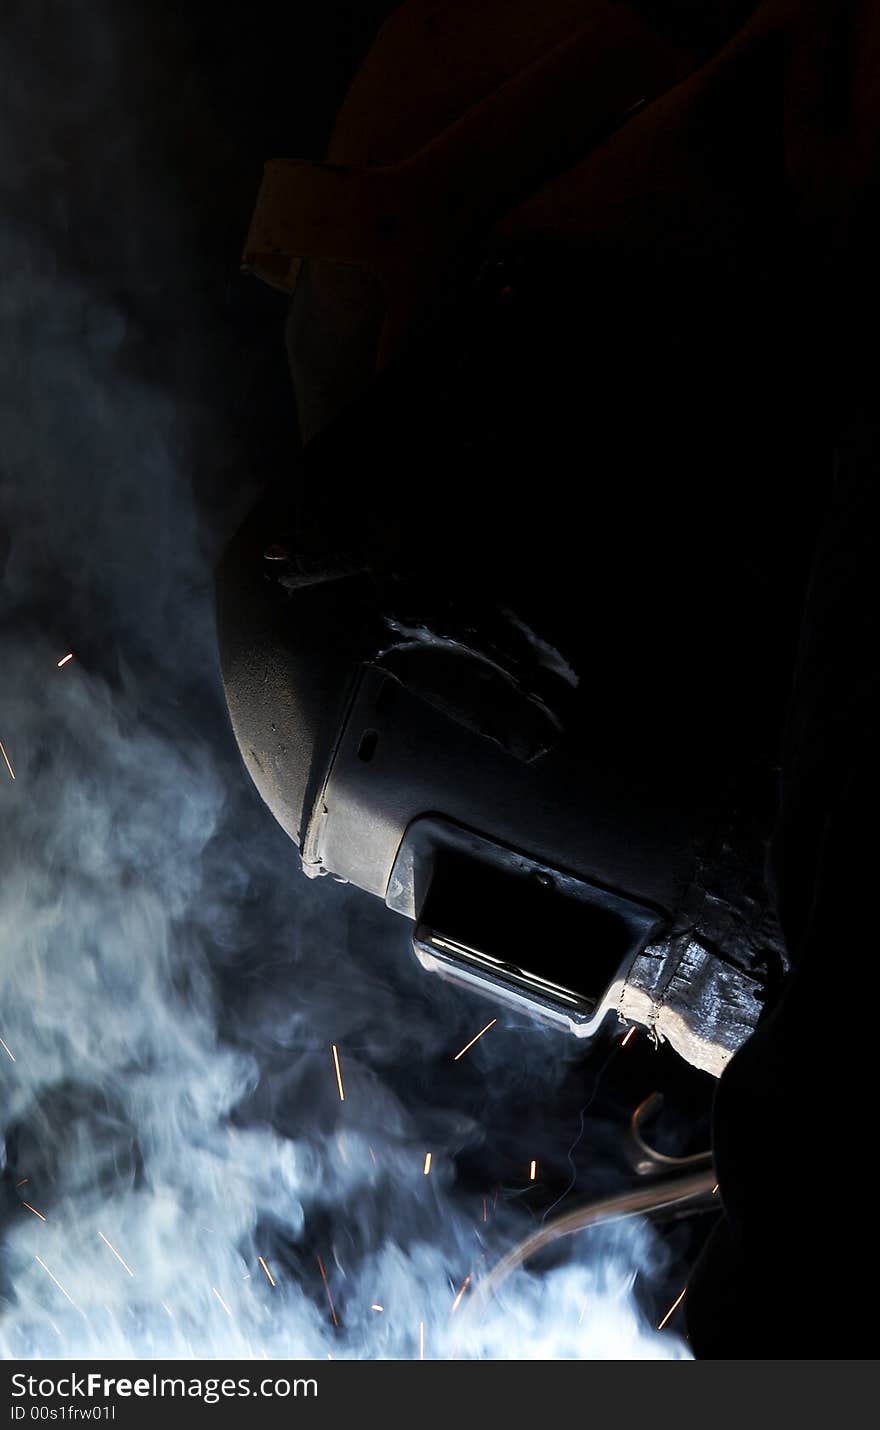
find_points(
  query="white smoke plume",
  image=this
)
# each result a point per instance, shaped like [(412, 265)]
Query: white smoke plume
[(169, 986)]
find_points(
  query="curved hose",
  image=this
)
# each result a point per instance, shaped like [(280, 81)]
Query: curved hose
[(651, 1159), (667, 1193)]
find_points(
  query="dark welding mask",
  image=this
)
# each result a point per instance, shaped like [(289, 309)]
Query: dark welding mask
[(510, 650), (531, 730)]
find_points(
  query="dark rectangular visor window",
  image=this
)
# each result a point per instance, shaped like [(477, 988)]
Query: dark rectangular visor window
[(520, 929)]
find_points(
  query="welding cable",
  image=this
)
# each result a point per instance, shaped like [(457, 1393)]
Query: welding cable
[(648, 1159), (638, 1201)]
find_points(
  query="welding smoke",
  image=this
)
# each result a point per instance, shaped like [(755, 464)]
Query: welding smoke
[(170, 988)]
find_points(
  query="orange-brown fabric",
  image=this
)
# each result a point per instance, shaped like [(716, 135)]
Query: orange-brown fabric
[(671, 177), (797, 86), (414, 211), (434, 59)]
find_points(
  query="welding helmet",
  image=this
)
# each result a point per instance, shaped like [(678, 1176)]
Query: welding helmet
[(509, 650)]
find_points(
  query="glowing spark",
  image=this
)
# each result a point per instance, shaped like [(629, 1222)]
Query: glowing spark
[(485, 1214), (421, 1340), (165, 1309), (376, 1307), (34, 1210), (674, 1307), (338, 1073), (6, 758), (427, 1167), (629, 1035), (267, 1271), (64, 659), (474, 1040), (6, 1050), (583, 1313), (22, 1183), (116, 1254), (457, 1302), (220, 1299), (57, 1283), (327, 1289), (533, 1170), (372, 1154), (715, 1188)]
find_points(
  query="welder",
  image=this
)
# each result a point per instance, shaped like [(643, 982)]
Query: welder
[(559, 637)]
